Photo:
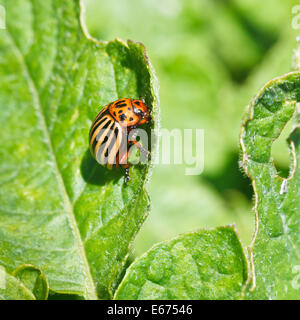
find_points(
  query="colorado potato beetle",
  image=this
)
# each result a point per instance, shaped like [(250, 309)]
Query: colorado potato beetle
[(109, 132)]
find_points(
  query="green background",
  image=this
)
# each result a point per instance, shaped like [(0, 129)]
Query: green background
[(210, 57)]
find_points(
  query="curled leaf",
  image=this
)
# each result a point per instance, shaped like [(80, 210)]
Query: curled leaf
[(34, 279), (12, 288)]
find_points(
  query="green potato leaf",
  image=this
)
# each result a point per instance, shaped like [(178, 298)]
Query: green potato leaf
[(60, 211), (34, 279), (275, 249), (13, 289), (205, 264)]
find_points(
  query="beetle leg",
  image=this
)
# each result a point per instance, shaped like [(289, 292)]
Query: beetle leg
[(125, 167), (134, 135), (145, 152), (142, 98)]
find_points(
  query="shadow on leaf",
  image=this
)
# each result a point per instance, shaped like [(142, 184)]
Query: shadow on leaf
[(93, 173)]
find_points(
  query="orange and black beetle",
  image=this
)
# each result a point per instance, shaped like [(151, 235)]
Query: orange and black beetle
[(109, 132)]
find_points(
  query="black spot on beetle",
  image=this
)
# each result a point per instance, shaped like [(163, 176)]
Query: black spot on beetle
[(130, 119), (137, 103), (122, 117), (104, 140), (120, 105), (120, 101), (121, 111)]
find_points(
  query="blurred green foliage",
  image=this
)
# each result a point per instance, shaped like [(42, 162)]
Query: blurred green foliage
[(210, 57)]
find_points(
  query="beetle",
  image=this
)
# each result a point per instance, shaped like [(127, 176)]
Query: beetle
[(108, 137)]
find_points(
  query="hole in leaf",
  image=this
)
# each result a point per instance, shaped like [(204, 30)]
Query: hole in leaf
[(280, 152)]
